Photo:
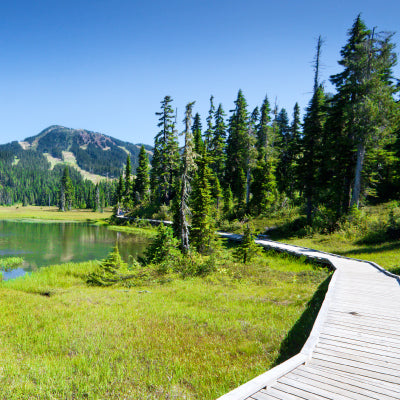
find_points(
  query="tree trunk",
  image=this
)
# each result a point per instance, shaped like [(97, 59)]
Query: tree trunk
[(62, 199), (309, 209), (248, 178), (355, 199), (182, 217)]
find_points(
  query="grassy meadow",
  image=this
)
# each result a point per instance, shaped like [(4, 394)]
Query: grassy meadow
[(371, 234), (172, 338), (51, 213)]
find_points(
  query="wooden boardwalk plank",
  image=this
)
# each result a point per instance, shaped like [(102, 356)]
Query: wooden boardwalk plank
[(350, 384), (353, 351)]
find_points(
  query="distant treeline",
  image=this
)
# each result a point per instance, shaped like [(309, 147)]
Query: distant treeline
[(25, 177)]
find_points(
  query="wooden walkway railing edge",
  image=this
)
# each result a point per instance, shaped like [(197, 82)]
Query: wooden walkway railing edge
[(270, 377)]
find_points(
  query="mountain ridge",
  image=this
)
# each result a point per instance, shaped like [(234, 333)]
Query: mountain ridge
[(91, 153)]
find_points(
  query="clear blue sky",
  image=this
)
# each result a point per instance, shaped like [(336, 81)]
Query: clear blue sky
[(105, 65)]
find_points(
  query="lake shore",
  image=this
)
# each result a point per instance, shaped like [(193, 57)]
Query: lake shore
[(52, 214)]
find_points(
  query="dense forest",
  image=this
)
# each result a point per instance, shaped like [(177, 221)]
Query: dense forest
[(343, 153), (26, 178)]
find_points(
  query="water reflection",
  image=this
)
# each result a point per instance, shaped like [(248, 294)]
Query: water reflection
[(44, 243)]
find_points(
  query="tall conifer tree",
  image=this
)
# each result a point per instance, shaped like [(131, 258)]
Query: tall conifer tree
[(209, 133), (202, 228), (237, 150), (313, 149), (166, 153), (218, 144), (188, 168), (367, 88), (142, 182)]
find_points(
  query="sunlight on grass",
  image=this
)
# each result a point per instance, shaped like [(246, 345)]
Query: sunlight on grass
[(193, 338), (51, 213)]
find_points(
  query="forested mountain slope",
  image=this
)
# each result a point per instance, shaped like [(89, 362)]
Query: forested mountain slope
[(94, 152), (30, 171)]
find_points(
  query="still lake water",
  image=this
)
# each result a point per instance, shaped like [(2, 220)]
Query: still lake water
[(47, 243)]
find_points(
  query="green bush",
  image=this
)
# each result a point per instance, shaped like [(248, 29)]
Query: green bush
[(112, 270), (163, 246)]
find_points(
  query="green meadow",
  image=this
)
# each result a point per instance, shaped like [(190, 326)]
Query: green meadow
[(169, 338)]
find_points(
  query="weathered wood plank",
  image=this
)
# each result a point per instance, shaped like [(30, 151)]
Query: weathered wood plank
[(345, 383), (355, 348)]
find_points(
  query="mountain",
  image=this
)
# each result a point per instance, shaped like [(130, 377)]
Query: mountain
[(93, 153), (30, 171)]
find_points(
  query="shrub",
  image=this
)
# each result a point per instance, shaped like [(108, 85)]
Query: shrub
[(163, 247), (112, 270), (247, 248)]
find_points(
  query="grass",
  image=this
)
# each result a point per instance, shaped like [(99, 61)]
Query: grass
[(141, 232), (51, 213), (363, 236), (193, 338), (8, 263), (385, 254)]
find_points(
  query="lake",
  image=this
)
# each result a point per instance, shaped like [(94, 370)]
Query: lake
[(47, 243)]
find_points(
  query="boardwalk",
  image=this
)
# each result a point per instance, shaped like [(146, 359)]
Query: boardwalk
[(353, 351)]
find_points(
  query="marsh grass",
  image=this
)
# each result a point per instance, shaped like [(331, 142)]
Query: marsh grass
[(9, 263), (192, 338)]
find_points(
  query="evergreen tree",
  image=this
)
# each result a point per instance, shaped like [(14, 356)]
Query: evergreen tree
[(162, 247), (112, 270), (128, 183), (209, 133), (367, 88), (228, 200), (197, 135), (247, 248), (218, 144), (284, 159), (187, 172), (237, 150), (202, 229), (97, 206), (120, 189), (312, 144), (66, 191), (166, 154), (263, 186), (251, 152), (262, 129), (142, 182), (312, 150), (293, 151)]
